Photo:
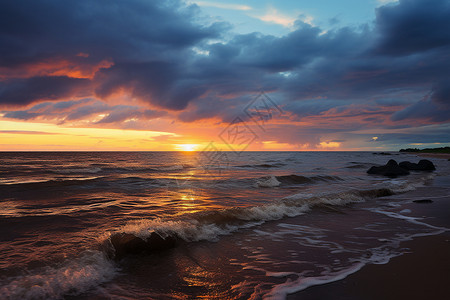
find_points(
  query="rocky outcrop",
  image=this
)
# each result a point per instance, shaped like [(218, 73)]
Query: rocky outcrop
[(391, 169), (382, 153), (423, 201), (125, 244), (423, 165)]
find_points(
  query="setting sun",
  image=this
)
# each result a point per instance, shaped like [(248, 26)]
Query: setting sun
[(187, 147)]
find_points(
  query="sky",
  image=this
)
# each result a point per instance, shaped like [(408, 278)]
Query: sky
[(150, 75)]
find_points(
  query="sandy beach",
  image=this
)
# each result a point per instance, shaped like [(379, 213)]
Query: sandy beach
[(435, 155), (422, 272)]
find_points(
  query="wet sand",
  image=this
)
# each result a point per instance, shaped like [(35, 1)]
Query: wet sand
[(422, 272), (435, 155)]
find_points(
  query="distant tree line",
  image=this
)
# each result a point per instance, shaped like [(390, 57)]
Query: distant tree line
[(428, 150)]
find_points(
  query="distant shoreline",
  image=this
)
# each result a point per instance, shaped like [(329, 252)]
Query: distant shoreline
[(442, 152), (433, 155)]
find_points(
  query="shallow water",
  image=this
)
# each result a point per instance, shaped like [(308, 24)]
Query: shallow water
[(249, 225)]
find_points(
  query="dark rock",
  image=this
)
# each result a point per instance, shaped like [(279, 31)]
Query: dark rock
[(423, 165), (410, 150), (156, 243), (376, 193), (125, 244), (382, 153), (423, 201), (408, 165), (426, 165), (391, 169)]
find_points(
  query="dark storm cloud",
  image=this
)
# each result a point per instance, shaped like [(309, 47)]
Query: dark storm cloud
[(410, 138), (122, 113), (335, 67), (82, 112), (435, 107), (441, 92), (28, 90), (413, 26), (21, 115), (133, 30), (83, 109), (148, 42), (312, 107), (155, 82)]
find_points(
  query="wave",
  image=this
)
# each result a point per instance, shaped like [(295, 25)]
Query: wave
[(175, 167), (297, 179), (262, 166), (267, 181), (406, 185), (289, 287), (273, 181), (146, 235), (126, 170), (47, 183), (73, 277), (359, 165), (77, 170), (378, 255)]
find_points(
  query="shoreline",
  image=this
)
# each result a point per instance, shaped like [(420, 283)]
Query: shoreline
[(423, 272), (433, 155)]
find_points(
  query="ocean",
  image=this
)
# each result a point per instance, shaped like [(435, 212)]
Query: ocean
[(249, 225)]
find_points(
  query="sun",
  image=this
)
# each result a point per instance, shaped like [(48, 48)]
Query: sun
[(187, 147)]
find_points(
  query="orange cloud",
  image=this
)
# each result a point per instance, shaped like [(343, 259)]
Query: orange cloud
[(56, 67)]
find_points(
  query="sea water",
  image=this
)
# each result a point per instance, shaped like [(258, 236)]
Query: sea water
[(248, 225)]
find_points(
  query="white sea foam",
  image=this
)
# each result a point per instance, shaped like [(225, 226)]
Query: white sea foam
[(292, 286), (414, 220), (71, 278), (194, 229), (267, 182), (48, 181), (405, 185), (378, 255), (190, 231), (341, 198), (272, 212)]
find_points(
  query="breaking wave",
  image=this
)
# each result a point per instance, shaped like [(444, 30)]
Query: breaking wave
[(73, 277), (262, 166), (273, 181), (30, 184), (209, 226)]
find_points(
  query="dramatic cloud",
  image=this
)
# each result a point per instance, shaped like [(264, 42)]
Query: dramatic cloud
[(96, 112), (146, 42), (26, 132), (434, 107), (25, 91), (413, 26), (142, 59)]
